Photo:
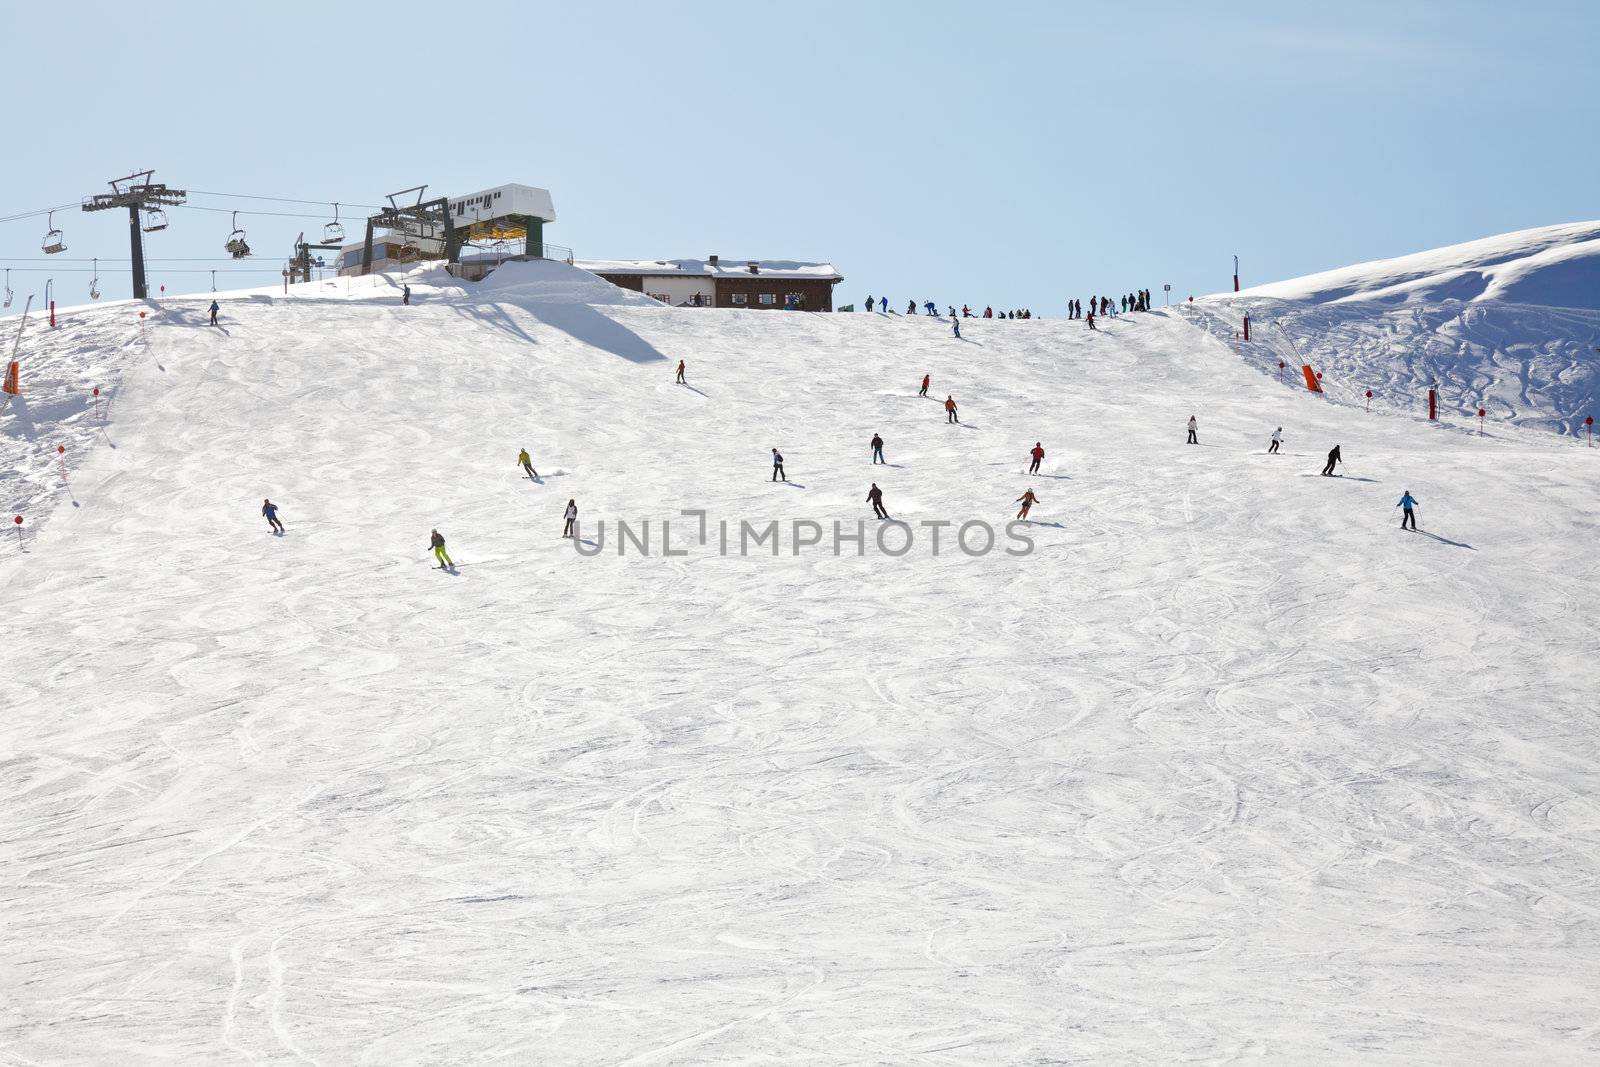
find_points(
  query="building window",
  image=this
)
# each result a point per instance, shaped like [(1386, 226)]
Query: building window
[(739, 299), (663, 297), (769, 298)]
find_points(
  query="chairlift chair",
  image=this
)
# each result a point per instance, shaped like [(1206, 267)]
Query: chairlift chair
[(408, 250), (94, 283), (333, 233), (236, 246), (155, 220), (53, 241)]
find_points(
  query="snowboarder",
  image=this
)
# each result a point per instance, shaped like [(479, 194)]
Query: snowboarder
[(1277, 439), (1089, 318), (777, 466), (437, 541), (950, 410), (875, 498), (877, 449), (1333, 457), (1408, 515), (215, 307), (571, 517), (911, 307), (1027, 500), (966, 311), (932, 308), (869, 303), (680, 373), (527, 464), (405, 294), (1038, 454), (1193, 426), (924, 390), (270, 510), (988, 312), (884, 305)]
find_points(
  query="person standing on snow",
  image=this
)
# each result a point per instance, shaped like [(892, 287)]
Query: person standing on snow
[(680, 373), (950, 410), (988, 312), (405, 294), (527, 464), (571, 517), (1277, 439), (875, 498), (270, 510), (437, 541), (924, 390), (1027, 500), (1333, 458), (955, 326), (215, 307), (1089, 318), (1408, 515), (869, 303), (1037, 453), (1193, 427), (911, 307), (777, 466), (884, 304), (877, 450)]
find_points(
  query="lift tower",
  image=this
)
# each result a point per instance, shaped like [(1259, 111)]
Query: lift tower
[(137, 193)]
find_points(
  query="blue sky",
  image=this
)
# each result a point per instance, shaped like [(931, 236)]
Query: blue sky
[(1012, 154)]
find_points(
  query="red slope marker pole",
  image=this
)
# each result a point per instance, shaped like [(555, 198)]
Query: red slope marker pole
[(1588, 426), (1369, 401), (18, 521), (1281, 365), (97, 401), (1481, 414), (61, 455)]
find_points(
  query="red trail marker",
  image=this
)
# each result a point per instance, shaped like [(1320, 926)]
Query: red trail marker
[(1369, 399)]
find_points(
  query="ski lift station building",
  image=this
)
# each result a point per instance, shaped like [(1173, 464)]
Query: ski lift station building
[(502, 214)]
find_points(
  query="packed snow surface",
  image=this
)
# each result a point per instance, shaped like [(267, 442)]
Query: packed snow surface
[(1509, 324), (1227, 768)]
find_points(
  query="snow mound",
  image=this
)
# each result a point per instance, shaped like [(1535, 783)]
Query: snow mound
[(1508, 324), (1552, 266), (544, 281)]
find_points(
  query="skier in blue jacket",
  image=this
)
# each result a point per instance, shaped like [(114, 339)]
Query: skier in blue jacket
[(1408, 515), (270, 510)]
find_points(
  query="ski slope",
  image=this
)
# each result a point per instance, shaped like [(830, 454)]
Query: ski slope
[(1509, 324), (1227, 768)]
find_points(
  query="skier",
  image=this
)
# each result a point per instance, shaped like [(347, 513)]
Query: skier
[(1038, 454), (924, 390), (215, 307), (777, 467), (988, 312), (1027, 500), (875, 498), (270, 510), (884, 304), (1408, 515), (527, 464), (1193, 426), (950, 410), (571, 517), (869, 303), (437, 541), (1089, 318), (877, 450), (955, 325), (1333, 457), (911, 307), (405, 294), (1277, 439), (681, 368)]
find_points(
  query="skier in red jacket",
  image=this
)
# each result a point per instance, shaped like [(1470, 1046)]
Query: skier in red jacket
[(1037, 452), (1027, 500), (925, 379)]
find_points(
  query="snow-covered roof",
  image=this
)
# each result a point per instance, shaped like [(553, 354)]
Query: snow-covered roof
[(725, 268)]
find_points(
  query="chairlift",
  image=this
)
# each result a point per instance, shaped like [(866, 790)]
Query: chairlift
[(9, 293), (409, 249), (94, 283), (155, 220), (236, 245), (333, 233), (53, 241)]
